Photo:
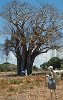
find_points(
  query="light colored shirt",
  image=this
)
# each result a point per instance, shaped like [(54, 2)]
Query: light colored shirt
[(50, 75)]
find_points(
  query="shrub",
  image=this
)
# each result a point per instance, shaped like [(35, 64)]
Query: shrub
[(35, 68), (3, 67), (44, 65), (55, 62), (7, 67)]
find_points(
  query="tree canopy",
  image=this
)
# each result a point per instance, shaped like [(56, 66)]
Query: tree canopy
[(33, 31), (55, 62)]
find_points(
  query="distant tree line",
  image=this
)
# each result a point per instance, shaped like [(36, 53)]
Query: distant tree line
[(55, 62), (7, 67)]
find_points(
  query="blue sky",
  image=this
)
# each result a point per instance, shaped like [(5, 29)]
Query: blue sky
[(57, 3)]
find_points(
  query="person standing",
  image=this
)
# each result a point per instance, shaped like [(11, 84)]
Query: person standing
[(51, 80)]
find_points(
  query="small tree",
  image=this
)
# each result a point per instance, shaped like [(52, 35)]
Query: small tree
[(44, 65), (62, 61), (55, 62), (35, 68)]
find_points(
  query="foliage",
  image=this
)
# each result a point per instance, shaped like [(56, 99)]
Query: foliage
[(3, 67), (34, 68), (55, 62), (44, 65), (62, 61), (7, 63), (7, 67), (61, 67)]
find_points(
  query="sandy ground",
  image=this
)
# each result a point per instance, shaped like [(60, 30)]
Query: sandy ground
[(27, 88)]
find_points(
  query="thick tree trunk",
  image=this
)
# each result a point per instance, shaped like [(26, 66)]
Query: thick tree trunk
[(29, 64), (19, 66), (26, 63), (21, 61)]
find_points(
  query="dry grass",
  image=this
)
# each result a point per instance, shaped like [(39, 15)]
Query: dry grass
[(27, 88)]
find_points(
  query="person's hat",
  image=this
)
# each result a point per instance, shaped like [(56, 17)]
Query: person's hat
[(50, 68)]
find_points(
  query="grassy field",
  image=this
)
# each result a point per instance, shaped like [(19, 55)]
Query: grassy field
[(33, 87)]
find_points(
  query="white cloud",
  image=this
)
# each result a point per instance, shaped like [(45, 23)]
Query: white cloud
[(11, 58), (40, 59)]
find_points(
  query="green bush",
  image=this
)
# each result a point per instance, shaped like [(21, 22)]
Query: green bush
[(3, 67), (62, 61), (7, 67), (44, 65), (55, 62), (34, 68)]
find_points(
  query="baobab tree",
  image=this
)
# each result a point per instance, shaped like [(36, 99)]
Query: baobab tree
[(33, 31)]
